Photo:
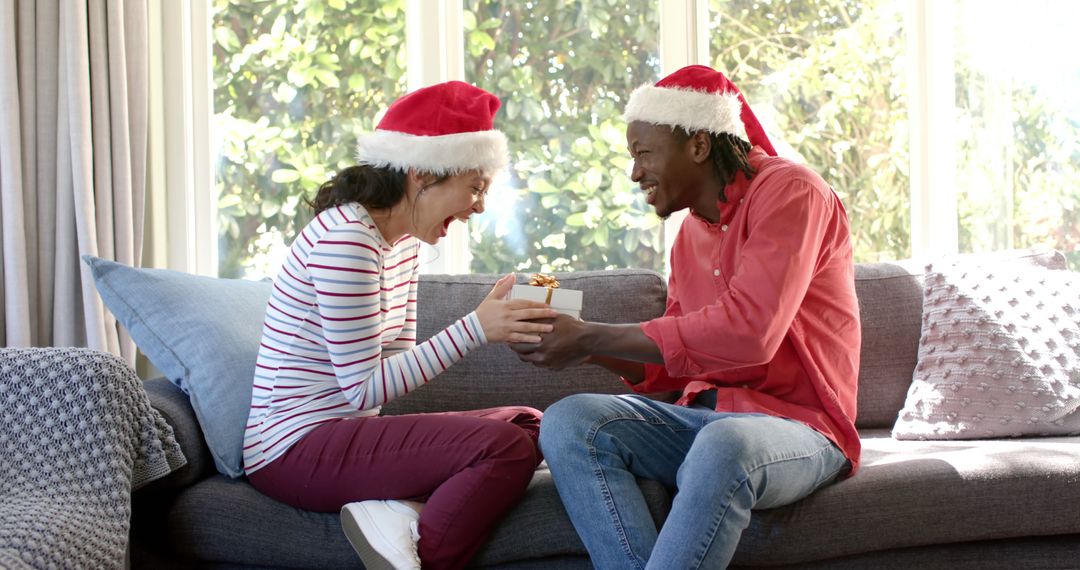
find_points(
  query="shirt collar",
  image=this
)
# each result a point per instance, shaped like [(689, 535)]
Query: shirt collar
[(736, 191)]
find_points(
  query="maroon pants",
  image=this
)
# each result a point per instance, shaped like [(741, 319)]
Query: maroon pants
[(468, 467)]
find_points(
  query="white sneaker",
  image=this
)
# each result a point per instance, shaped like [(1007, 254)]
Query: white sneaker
[(383, 533)]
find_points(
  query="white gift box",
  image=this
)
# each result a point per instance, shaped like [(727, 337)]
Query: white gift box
[(566, 301)]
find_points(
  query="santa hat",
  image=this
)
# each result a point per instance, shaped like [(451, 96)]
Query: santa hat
[(698, 98), (442, 129)]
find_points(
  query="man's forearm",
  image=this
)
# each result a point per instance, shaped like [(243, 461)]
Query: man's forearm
[(624, 342), (632, 372)]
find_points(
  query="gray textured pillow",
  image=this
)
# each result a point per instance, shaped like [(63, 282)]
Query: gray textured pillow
[(999, 355)]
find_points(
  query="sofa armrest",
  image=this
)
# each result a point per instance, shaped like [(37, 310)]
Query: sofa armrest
[(176, 408)]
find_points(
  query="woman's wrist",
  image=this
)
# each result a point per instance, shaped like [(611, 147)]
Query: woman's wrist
[(472, 322)]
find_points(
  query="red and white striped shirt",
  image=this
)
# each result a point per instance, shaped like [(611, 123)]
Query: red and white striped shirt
[(339, 337)]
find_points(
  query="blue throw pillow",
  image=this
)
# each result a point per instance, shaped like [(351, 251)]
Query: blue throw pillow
[(202, 333)]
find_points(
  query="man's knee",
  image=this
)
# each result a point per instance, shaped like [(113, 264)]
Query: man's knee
[(566, 423), (733, 443)]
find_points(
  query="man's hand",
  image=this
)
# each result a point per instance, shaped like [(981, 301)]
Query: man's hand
[(563, 347), (620, 348)]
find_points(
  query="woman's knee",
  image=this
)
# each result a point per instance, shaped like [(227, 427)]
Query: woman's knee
[(511, 444), (527, 419)]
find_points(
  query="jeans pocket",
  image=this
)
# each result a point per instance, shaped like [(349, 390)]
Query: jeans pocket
[(643, 408), (650, 416)]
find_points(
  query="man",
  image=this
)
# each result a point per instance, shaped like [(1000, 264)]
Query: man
[(760, 335)]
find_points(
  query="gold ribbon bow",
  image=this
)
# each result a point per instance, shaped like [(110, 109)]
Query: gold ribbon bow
[(547, 281)]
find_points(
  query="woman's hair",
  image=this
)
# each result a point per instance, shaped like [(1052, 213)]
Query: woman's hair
[(375, 188), (372, 187), (729, 155)]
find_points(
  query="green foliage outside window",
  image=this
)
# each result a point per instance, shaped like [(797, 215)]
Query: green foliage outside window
[(564, 71), (295, 82), (833, 73), (1019, 182), (828, 77)]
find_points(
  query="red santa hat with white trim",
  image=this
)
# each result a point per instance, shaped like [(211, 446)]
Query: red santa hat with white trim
[(443, 129), (698, 98)]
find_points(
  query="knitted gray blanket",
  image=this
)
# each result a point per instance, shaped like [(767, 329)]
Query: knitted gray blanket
[(77, 435)]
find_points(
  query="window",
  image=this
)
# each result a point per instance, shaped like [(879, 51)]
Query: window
[(978, 153), (1018, 126)]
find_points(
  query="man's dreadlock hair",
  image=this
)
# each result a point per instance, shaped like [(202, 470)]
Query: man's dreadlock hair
[(729, 156)]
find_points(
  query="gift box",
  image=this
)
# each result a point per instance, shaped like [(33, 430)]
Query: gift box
[(566, 301)]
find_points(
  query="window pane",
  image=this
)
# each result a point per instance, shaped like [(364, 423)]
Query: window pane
[(564, 70), (295, 82), (1018, 115), (827, 79)]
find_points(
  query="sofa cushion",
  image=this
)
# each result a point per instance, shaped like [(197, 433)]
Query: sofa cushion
[(224, 521), (202, 333), (895, 502), (493, 375), (999, 355), (1061, 551), (175, 406), (890, 307), (911, 493)]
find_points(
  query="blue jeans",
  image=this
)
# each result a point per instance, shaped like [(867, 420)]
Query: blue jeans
[(723, 465)]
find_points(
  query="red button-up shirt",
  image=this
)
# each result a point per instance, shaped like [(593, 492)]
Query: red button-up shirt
[(761, 305)]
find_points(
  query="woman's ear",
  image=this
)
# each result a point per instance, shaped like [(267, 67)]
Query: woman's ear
[(421, 179), (700, 146), (416, 181)]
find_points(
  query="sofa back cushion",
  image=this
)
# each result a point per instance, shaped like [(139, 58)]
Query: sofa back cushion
[(890, 307), (492, 375)]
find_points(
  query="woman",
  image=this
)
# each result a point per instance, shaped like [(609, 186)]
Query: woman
[(339, 340)]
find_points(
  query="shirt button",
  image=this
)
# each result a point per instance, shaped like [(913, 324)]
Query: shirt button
[(716, 272), (723, 228), (741, 200)]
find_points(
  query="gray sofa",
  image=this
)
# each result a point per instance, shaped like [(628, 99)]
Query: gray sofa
[(915, 504)]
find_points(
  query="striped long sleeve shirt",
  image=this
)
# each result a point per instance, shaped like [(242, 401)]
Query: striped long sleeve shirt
[(339, 337)]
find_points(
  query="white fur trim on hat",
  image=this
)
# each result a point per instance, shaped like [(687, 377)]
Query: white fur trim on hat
[(687, 108), (446, 154)]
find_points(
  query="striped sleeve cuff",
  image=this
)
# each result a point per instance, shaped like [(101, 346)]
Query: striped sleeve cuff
[(476, 332)]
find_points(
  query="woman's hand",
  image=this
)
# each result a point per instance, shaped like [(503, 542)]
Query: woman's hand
[(508, 320)]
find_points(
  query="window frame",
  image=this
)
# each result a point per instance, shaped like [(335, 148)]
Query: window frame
[(181, 222), (181, 218)]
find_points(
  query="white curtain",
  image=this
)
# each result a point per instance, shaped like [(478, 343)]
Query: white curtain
[(73, 139)]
